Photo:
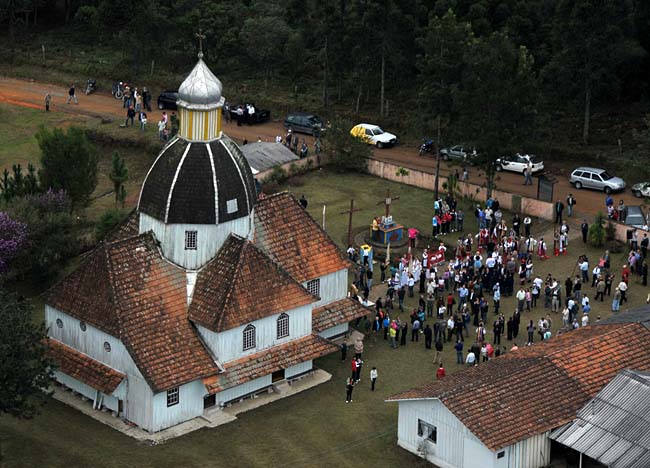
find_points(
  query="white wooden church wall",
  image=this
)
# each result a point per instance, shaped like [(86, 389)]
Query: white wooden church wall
[(335, 331), (190, 405), (298, 369), (89, 342), (333, 287), (229, 345), (246, 388), (209, 238), (109, 401)]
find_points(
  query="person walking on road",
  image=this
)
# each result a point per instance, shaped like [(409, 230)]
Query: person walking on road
[(349, 386), (373, 378), (48, 99), (528, 174), (71, 95), (570, 203), (130, 114)]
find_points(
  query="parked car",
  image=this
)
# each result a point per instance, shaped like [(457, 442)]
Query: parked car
[(303, 122), (373, 135), (519, 162), (635, 217), (459, 152), (597, 179), (259, 116), (167, 100), (642, 189)]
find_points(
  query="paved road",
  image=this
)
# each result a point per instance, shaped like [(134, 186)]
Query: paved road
[(102, 104)]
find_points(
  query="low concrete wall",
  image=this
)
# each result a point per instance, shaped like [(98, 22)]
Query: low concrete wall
[(317, 160), (426, 180)]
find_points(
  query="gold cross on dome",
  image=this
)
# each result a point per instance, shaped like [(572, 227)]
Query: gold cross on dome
[(200, 37)]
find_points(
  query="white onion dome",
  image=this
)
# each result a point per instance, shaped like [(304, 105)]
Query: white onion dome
[(201, 90)]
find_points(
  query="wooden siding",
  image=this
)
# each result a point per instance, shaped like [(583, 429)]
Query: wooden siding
[(199, 125), (190, 405), (138, 407), (335, 331), (228, 345), (210, 238), (457, 447), (332, 287), (90, 342), (298, 369), (109, 401), (243, 389)]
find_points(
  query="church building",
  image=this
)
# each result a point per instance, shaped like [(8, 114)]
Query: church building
[(206, 294)]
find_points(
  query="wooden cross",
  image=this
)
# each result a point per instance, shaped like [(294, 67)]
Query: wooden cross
[(387, 202), (350, 211), (200, 36)]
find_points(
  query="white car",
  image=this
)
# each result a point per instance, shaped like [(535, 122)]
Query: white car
[(519, 162), (642, 189), (373, 135)]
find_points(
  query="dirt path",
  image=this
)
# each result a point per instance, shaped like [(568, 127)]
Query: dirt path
[(101, 105)]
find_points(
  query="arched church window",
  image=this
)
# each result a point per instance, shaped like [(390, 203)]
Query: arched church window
[(249, 337), (283, 326)]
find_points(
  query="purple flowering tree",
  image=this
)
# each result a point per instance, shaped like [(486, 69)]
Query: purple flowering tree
[(13, 239)]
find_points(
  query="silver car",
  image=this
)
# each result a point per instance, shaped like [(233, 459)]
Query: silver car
[(597, 179)]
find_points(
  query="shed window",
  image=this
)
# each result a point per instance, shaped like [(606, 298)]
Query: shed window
[(231, 206), (107, 346), (190, 240), (427, 431), (283, 326), (501, 454), (313, 286), (249, 337), (172, 396), (82, 325), (59, 323)]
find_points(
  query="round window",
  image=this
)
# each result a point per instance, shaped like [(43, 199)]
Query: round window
[(107, 346), (82, 325), (59, 323)]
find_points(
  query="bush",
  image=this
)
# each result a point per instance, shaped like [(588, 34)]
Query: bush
[(107, 222), (597, 233)]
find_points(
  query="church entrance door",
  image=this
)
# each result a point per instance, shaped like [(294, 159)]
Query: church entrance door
[(277, 375)]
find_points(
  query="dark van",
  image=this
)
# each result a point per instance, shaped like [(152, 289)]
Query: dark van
[(303, 122)]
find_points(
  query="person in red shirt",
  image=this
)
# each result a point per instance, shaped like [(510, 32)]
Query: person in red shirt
[(440, 372)]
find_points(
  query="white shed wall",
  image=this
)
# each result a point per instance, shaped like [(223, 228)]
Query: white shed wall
[(457, 447), (243, 389), (138, 407), (298, 369), (210, 238), (228, 345), (190, 405), (89, 342), (332, 287)]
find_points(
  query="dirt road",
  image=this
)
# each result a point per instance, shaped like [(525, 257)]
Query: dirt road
[(103, 105)]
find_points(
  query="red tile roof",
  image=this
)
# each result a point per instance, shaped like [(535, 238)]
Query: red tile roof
[(242, 284), (538, 388), (291, 237), (84, 368), (270, 360), (337, 313), (151, 299)]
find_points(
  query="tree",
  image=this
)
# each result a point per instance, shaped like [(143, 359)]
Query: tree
[(68, 162), (24, 367), (108, 221), (588, 45), (118, 175), (13, 239), (345, 152), (497, 101), (53, 234)]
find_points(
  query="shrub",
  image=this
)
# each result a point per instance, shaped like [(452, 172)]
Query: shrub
[(107, 222), (597, 233), (345, 152)]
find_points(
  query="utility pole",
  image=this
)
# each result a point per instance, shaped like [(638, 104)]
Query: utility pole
[(350, 211), (435, 188)]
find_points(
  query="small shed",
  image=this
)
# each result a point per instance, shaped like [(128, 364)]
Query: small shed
[(262, 156), (612, 427)]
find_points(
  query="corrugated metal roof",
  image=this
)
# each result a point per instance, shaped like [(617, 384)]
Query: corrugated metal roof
[(613, 426), (262, 156)]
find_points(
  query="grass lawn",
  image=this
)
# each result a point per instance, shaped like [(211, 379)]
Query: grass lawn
[(312, 429)]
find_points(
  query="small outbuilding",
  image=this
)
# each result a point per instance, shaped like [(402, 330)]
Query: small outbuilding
[(262, 156)]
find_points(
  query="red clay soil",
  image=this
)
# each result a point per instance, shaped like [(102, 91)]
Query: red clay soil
[(102, 105)]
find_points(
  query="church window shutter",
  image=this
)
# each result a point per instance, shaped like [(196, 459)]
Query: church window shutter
[(313, 286), (190, 240)]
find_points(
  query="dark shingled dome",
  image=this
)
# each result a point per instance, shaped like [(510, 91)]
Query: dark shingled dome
[(180, 186)]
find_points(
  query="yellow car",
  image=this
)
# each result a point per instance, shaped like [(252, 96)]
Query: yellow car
[(373, 135)]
